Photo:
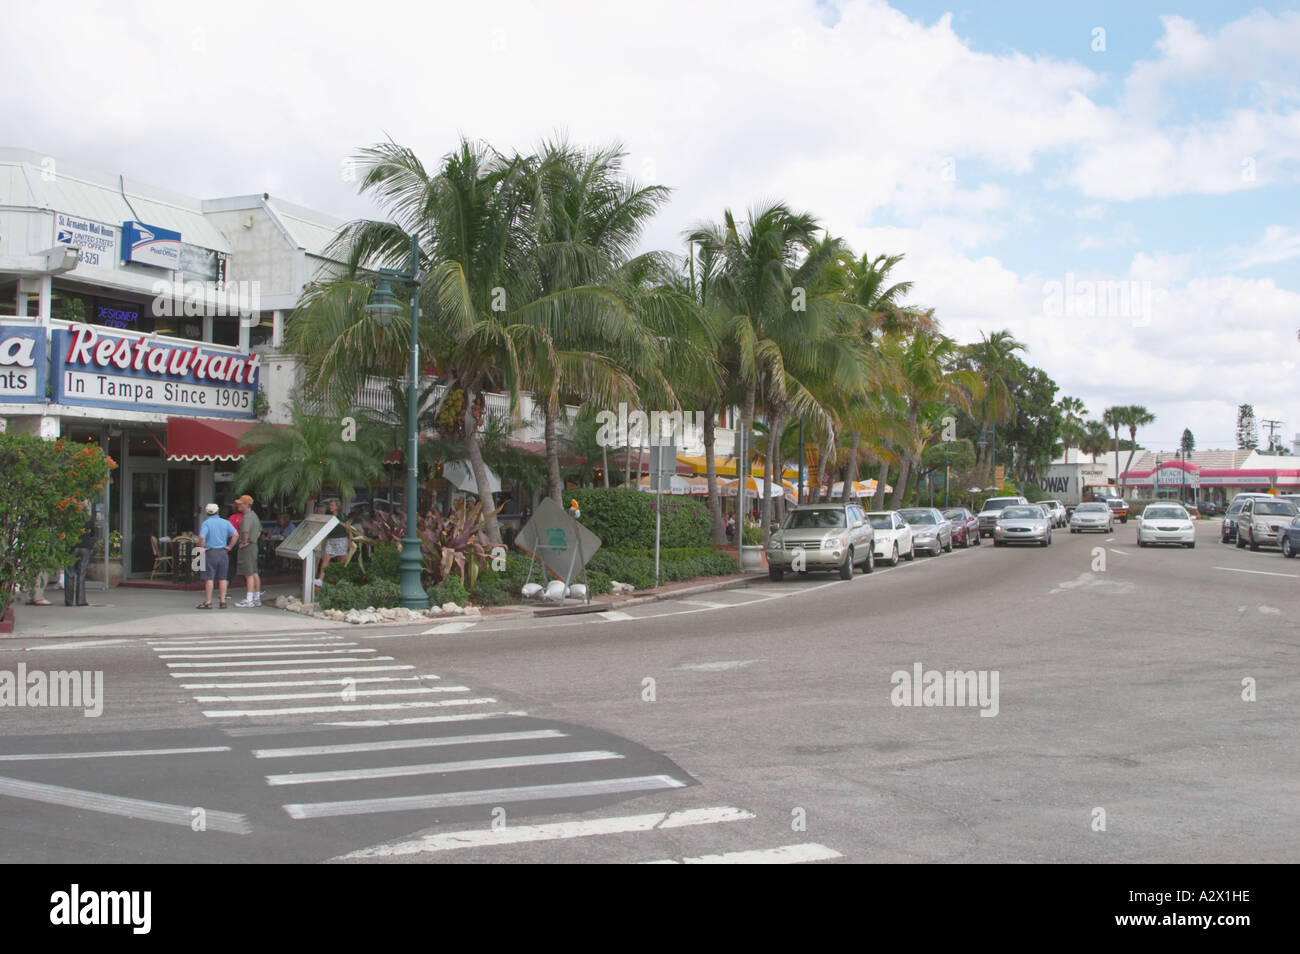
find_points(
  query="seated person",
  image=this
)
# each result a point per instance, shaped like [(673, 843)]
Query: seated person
[(283, 527)]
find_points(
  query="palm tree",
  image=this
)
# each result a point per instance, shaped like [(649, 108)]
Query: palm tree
[(1114, 417), (1072, 432), (994, 358), (1095, 439), (1135, 416)]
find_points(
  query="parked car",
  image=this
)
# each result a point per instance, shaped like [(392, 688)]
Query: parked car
[(988, 514), (1208, 508), (965, 526), (835, 536), (1166, 523), (1093, 515), (1289, 538), (1228, 531), (893, 536), (1261, 518), (1058, 512), (1118, 508), (1027, 524), (931, 530)]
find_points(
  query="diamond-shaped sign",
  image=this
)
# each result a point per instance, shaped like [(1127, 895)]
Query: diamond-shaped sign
[(557, 540)]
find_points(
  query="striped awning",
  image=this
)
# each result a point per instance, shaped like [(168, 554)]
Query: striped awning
[(196, 439)]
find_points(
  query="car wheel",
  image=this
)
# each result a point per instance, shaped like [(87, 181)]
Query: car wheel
[(846, 568), (1192, 545), (1241, 544), (948, 548), (894, 560), (1288, 551), (997, 542), (1254, 544), (1046, 541), (911, 553), (977, 539), (871, 560), (1223, 538), (775, 574)]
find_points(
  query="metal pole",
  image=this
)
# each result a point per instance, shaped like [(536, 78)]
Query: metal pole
[(412, 560), (658, 515), (802, 458)]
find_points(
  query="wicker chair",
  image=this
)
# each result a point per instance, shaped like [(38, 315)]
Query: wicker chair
[(161, 561)]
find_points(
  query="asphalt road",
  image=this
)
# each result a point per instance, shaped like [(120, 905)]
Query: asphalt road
[(745, 725)]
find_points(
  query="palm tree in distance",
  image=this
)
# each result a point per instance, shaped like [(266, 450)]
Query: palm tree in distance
[(1135, 416), (1114, 418)]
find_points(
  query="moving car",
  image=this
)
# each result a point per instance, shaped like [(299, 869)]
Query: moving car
[(1093, 515), (1228, 533), (1289, 538), (988, 514), (835, 536), (1261, 518), (1166, 523), (893, 536), (965, 526), (931, 530), (1118, 507), (1058, 512), (1027, 524)]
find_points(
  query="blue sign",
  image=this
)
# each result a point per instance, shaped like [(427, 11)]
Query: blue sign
[(151, 245), (22, 364)]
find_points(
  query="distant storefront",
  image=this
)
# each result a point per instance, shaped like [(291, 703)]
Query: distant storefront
[(1187, 481)]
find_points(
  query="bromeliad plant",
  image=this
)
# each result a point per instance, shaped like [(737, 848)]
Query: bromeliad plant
[(453, 544)]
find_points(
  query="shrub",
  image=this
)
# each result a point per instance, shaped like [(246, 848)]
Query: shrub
[(450, 590), (638, 566), (626, 518), (345, 596), (498, 587)]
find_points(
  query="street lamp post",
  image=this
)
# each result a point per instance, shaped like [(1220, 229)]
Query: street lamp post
[(383, 307)]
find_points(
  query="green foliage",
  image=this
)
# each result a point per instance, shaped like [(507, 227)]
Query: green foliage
[(345, 596), (499, 587), (450, 590), (41, 511), (637, 566), (626, 518), (751, 533), (384, 563), (452, 544)]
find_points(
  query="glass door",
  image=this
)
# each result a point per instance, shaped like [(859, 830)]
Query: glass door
[(146, 518)]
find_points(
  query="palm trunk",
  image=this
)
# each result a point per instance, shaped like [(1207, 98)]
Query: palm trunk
[(473, 443), (773, 445), (851, 468), (882, 480), (822, 483), (718, 532), (554, 483), (904, 474), (1129, 463)]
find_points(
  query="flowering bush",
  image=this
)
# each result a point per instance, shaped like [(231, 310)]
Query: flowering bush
[(42, 487), (452, 544)]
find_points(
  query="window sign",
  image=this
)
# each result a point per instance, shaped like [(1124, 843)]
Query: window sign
[(22, 363)]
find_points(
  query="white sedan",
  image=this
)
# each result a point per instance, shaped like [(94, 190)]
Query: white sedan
[(1166, 523), (893, 536)]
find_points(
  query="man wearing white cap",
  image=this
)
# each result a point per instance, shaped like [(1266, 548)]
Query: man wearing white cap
[(218, 538)]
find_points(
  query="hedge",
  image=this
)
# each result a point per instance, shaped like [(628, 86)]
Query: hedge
[(637, 566), (626, 518), (346, 596)]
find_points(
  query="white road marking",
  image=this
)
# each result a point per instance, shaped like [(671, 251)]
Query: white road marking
[(296, 672), (81, 644), (278, 662), (123, 753), (275, 652), (300, 682), (789, 855), (719, 666), (1233, 569), (521, 834), (1120, 552), (440, 768), (259, 644), (360, 707), (1269, 610), (310, 632), (389, 745), (443, 628), (290, 696), (487, 796), (119, 805), (216, 642), (423, 720), (615, 616), (706, 604)]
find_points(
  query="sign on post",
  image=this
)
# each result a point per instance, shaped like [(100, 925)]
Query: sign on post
[(562, 544), (302, 544)]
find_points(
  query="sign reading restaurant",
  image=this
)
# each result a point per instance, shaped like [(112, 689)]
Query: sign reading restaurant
[(144, 373), (22, 364)]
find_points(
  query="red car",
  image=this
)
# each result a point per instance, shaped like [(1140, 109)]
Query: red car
[(965, 526)]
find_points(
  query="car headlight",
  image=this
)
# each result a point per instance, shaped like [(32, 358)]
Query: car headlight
[(1262, 526), (835, 543)]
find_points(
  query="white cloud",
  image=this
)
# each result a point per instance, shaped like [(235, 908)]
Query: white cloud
[(1278, 244)]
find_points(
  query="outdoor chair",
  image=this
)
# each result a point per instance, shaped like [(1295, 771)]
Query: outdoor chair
[(161, 561)]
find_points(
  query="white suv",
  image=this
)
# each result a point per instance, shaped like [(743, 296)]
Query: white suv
[(992, 507)]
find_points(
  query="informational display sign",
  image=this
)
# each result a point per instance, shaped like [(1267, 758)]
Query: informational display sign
[(151, 245), (97, 240), (93, 368), (307, 536), (562, 544), (22, 363)]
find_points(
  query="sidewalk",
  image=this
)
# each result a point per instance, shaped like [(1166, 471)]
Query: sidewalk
[(132, 612)]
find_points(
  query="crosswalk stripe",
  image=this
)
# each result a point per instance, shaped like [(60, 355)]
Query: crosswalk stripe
[(615, 616), (118, 805), (285, 683), (788, 855), (290, 696), (487, 796), (444, 628), (267, 652), (259, 645), (123, 753), (423, 720), (440, 768), (295, 672), (389, 745), (187, 639), (360, 707), (277, 662), (521, 834)]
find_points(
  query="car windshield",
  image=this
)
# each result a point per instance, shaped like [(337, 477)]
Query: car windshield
[(996, 504), (1091, 508), (1164, 513), (955, 514), (1235, 508), (918, 516), (1115, 503), (814, 520), (1022, 513), (881, 521), (1275, 508)]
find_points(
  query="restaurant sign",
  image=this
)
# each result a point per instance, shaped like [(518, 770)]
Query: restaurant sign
[(22, 363), (145, 373)]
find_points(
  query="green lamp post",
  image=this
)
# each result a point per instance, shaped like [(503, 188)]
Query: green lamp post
[(383, 307)]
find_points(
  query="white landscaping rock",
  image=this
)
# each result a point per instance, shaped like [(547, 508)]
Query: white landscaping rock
[(452, 608), (473, 611)]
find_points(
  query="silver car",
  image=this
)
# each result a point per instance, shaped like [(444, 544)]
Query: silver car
[(1093, 515), (1058, 512), (931, 530), (1026, 524), (822, 537), (1260, 520)]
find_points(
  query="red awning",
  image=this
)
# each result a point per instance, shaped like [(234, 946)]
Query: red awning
[(192, 439)]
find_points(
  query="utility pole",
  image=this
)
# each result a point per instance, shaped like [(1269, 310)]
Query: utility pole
[(1272, 427)]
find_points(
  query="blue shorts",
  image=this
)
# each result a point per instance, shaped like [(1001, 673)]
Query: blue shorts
[(216, 563)]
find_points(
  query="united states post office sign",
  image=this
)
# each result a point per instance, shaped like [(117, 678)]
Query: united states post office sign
[(22, 364), (135, 372)]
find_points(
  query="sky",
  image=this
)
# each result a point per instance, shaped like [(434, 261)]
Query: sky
[(1116, 184)]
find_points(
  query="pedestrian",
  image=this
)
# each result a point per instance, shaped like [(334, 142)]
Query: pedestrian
[(250, 537), (336, 543), (731, 527), (74, 576), (236, 515), (284, 527), (38, 590), (218, 537)]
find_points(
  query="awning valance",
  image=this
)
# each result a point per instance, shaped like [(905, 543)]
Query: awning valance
[(194, 439)]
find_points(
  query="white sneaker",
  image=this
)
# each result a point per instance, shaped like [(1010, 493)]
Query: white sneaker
[(246, 602)]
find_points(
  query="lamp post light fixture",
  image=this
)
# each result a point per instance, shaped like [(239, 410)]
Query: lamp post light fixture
[(383, 307)]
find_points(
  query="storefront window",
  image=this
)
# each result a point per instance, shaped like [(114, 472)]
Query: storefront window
[(225, 331)]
